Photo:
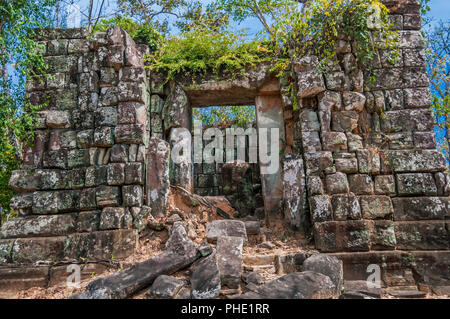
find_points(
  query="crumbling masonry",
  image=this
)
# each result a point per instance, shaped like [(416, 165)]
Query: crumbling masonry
[(360, 170)]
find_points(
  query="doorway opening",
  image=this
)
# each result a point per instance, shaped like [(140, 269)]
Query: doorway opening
[(236, 176)]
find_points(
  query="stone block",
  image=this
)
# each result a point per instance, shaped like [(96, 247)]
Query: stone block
[(415, 184), (132, 195), (346, 207), (382, 235), (385, 185), (361, 184), (422, 235), (337, 183), (376, 207), (108, 196), (229, 260), (320, 208), (420, 208), (341, 236), (116, 174), (134, 173)]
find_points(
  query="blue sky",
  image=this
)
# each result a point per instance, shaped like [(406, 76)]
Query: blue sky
[(440, 9)]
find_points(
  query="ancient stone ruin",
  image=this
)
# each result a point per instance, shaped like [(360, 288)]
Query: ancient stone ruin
[(359, 173)]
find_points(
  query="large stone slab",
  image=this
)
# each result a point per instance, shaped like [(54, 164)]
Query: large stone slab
[(229, 259), (52, 225), (223, 228), (294, 192), (329, 266), (180, 254), (297, 285), (165, 287), (205, 278), (158, 182)]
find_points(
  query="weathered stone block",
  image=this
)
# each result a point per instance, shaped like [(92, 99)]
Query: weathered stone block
[(130, 134), (116, 174), (221, 228), (229, 260), (310, 83), (134, 173), (309, 122), (101, 245), (342, 236), (112, 218), (420, 208), (158, 182), (88, 221), (311, 141), (354, 101), (345, 121), (294, 192), (320, 208), (415, 161), (315, 185), (108, 96), (368, 161), (318, 162), (417, 97), (55, 159), (428, 235), (30, 250), (346, 207), (332, 141), (108, 196), (346, 165), (104, 137), (424, 140), (361, 184), (376, 207), (24, 181), (385, 185), (337, 183), (106, 116), (414, 184), (96, 175), (78, 158), (382, 236), (132, 195)]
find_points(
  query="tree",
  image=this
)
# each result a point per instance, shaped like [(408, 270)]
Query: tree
[(20, 59), (438, 63)]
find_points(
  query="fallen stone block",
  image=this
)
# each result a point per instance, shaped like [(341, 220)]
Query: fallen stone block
[(329, 266), (180, 254), (165, 287), (219, 228), (205, 278), (297, 285), (229, 259)]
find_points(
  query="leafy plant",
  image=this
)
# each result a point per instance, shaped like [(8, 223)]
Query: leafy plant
[(201, 50), (20, 59)]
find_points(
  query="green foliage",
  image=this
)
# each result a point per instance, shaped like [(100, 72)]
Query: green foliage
[(141, 33), (20, 58), (316, 31), (201, 50), (236, 116), (438, 65)]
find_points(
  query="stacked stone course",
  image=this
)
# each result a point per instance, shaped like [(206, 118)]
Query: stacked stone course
[(375, 180)]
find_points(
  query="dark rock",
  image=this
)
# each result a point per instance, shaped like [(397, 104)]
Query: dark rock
[(165, 287), (229, 259), (361, 287), (329, 266), (219, 228), (205, 278), (252, 277), (303, 285), (180, 254)]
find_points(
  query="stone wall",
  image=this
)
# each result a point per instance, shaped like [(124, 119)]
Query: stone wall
[(360, 170), (374, 179), (81, 186)]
